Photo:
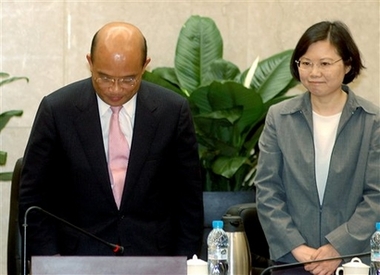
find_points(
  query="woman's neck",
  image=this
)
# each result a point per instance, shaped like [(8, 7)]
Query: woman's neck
[(328, 106)]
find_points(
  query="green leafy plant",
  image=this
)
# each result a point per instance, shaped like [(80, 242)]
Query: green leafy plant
[(4, 119), (228, 106)]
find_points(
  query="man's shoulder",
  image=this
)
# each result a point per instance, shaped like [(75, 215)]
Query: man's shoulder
[(160, 94), (71, 92), (73, 87)]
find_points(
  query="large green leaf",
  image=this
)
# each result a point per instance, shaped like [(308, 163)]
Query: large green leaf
[(294, 82), (272, 75), (221, 70), (6, 116), (168, 74), (227, 167), (229, 116), (10, 79), (158, 79), (3, 157), (232, 100), (217, 127), (199, 44), (6, 176)]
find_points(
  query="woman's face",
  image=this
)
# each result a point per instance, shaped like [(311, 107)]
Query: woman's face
[(322, 70)]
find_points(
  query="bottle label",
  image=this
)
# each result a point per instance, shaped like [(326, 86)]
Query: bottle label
[(375, 256), (220, 254)]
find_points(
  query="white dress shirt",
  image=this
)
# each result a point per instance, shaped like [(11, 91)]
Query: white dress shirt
[(325, 128), (126, 118)]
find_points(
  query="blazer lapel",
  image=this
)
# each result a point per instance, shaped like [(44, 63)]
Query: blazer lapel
[(143, 133), (89, 131)]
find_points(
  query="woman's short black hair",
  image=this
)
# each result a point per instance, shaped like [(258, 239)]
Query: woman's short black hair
[(338, 34)]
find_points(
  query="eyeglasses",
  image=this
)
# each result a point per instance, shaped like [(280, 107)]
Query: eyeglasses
[(307, 65), (107, 82)]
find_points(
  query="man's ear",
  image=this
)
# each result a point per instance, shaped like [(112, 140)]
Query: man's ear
[(147, 61), (89, 60)]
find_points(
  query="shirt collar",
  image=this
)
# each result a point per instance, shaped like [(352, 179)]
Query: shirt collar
[(129, 107), (302, 103)]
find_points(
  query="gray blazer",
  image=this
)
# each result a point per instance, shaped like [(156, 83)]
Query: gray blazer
[(287, 197)]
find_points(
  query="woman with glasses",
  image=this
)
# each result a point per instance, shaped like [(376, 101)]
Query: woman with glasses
[(318, 174)]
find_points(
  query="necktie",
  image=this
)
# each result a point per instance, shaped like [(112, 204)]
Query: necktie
[(118, 155)]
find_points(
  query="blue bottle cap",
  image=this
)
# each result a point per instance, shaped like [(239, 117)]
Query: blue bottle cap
[(217, 224), (378, 226)]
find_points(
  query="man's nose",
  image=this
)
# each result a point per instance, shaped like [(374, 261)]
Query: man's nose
[(115, 85)]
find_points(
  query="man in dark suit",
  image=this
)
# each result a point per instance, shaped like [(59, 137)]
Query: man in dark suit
[(65, 166)]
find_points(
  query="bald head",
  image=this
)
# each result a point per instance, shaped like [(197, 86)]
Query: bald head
[(118, 54), (119, 37)]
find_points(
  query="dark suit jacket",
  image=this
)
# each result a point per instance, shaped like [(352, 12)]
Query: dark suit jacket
[(65, 172)]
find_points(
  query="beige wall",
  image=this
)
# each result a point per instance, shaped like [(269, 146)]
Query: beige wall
[(47, 41)]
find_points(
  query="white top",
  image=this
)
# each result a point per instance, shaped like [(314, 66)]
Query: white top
[(324, 128), (126, 118)]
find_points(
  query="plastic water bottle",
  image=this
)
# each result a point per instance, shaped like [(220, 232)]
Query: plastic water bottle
[(375, 251), (217, 256)]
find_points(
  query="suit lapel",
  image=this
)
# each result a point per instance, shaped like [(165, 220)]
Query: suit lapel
[(143, 134), (89, 131)]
